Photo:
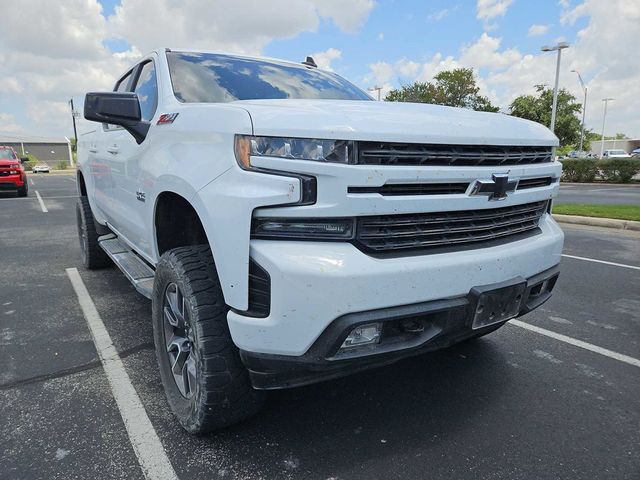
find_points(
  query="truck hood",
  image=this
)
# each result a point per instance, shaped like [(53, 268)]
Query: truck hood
[(391, 122), (5, 162)]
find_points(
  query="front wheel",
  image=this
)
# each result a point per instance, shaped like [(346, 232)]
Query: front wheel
[(23, 191), (206, 384)]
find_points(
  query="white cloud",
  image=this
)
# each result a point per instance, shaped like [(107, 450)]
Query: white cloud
[(438, 15), (51, 51), (536, 30), (381, 36), (490, 9), (8, 125), (324, 59), (407, 68), (381, 73), (485, 52)]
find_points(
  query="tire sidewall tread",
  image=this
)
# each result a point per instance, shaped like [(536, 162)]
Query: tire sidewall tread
[(224, 394)]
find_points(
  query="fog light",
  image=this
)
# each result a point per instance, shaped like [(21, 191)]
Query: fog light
[(363, 335)]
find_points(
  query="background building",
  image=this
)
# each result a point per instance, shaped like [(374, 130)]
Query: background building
[(626, 144), (49, 150)]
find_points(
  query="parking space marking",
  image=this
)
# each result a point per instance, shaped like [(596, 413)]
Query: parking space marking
[(72, 179), (62, 196), (601, 261), (145, 442), (42, 206), (577, 343)]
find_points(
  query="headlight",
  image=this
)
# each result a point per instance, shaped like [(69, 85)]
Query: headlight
[(303, 228), (318, 150)]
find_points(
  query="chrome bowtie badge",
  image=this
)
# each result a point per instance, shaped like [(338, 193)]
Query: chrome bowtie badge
[(497, 188)]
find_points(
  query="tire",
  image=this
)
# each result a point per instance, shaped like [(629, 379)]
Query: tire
[(211, 388), (93, 256), (23, 191)]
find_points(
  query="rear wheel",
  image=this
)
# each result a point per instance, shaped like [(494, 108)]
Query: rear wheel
[(206, 384), (92, 255)]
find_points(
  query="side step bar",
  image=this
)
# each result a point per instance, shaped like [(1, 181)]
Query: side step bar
[(139, 273)]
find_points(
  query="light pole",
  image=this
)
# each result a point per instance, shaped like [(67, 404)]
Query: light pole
[(584, 106), (73, 117), (372, 89), (559, 47), (604, 118)]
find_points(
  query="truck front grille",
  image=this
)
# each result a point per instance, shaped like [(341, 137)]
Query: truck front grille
[(412, 154), (393, 233)]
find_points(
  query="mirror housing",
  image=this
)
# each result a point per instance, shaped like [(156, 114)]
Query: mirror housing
[(24, 159), (117, 108)]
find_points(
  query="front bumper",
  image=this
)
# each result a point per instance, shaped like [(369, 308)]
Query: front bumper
[(443, 323), (11, 182), (314, 283)]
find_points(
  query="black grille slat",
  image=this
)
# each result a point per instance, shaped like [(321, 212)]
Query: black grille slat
[(397, 189), (408, 154), (387, 233), (535, 182)]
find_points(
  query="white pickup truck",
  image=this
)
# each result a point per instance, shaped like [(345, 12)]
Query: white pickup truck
[(289, 229)]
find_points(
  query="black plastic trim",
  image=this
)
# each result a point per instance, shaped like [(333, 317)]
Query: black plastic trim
[(259, 292)]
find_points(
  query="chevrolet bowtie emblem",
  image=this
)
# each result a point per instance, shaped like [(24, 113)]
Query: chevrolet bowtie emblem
[(496, 188)]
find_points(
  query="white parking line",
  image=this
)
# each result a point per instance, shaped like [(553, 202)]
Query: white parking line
[(147, 446), (602, 261), (72, 179), (578, 343), (62, 196), (42, 206)]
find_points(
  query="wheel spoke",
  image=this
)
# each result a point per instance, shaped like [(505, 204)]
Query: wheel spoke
[(175, 307), (189, 374), (182, 358)]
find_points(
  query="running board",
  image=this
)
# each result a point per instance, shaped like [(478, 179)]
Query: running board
[(139, 273)]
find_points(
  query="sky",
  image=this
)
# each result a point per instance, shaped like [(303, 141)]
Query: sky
[(52, 51)]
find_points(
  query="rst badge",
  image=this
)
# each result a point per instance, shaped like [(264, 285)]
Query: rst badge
[(166, 118), (497, 188)]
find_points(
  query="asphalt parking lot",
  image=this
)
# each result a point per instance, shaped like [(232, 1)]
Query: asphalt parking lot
[(518, 404), (599, 194)]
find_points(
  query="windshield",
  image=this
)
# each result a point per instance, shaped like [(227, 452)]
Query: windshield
[(7, 154), (207, 77)]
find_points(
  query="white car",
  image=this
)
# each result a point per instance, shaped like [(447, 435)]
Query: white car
[(40, 168), (288, 229), (615, 154)]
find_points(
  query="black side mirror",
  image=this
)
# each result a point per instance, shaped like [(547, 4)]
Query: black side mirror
[(117, 108), (24, 159)]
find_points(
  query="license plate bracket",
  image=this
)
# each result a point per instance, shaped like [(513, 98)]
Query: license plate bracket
[(497, 303)]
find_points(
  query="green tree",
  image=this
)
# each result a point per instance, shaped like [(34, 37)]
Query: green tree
[(453, 88), (538, 108)]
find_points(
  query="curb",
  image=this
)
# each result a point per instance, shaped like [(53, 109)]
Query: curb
[(598, 222)]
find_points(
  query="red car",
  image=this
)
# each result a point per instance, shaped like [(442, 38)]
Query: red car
[(12, 175)]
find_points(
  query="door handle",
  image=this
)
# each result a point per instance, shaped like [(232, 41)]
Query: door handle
[(113, 150)]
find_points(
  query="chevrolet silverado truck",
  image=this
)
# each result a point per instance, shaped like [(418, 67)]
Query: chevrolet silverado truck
[(288, 229), (12, 174)]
